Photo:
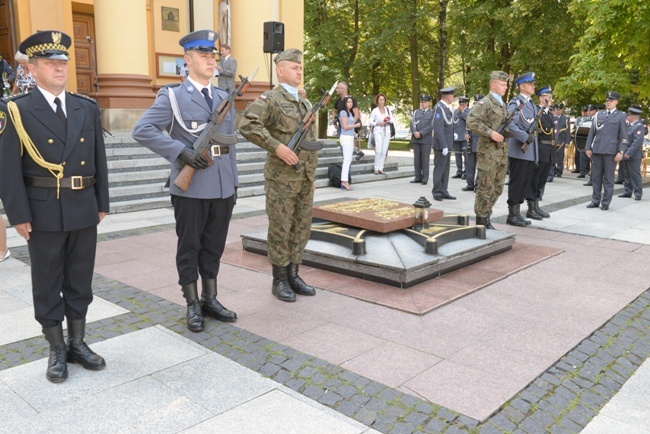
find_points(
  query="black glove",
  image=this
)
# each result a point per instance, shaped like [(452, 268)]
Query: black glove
[(192, 158), (531, 138)]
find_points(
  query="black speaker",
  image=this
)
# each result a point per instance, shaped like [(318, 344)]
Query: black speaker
[(273, 37)]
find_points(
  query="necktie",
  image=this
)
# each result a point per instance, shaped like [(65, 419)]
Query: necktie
[(206, 95), (607, 114), (59, 112)]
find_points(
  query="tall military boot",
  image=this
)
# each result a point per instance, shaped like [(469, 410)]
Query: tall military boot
[(281, 288), (209, 304), (296, 283), (78, 350), (194, 314), (514, 218), (57, 370), (481, 221), (489, 224), (540, 211), (532, 211)]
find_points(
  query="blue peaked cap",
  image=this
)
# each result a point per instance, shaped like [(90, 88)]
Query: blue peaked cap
[(201, 40), (525, 78), (545, 90)]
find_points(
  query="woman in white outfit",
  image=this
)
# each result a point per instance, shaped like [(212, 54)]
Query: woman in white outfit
[(346, 119), (380, 119)]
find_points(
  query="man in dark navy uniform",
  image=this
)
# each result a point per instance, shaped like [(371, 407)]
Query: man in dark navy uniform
[(54, 186), (202, 212)]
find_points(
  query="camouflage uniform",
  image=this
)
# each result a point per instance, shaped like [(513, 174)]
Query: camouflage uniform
[(492, 157), (269, 121)]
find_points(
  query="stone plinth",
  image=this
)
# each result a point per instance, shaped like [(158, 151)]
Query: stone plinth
[(377, 215)]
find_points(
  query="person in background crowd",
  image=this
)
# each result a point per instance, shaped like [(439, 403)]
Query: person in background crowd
[(380, 120), (348, 125), (460, 136), (633, 152), (422, 139), (443, 142), (227, 69), (24, 81), (342, 91), (7, 76)]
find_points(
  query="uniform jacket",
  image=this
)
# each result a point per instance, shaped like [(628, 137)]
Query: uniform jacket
[(608, 135), (485, 117), (422, 122), (473, 140), (562, 131), (214, 182), (80, 150), (546, 137), (227, 74), (460, 125), (443, 127), (634, 147), (519, 128), (271, 120)]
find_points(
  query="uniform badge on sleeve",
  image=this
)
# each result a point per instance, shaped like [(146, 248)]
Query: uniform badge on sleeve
[(3, 121), (263, 98)]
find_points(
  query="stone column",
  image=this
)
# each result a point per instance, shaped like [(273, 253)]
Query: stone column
[(121, 43)]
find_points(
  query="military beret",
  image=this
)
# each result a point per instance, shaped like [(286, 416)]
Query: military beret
[(526, 77), (201, 40), (478, 97), (447, 90), (635, 110), (499, 75), (546, 90), (291, 55), (613, 95), (463, 100), (425, 97), (48, 43)]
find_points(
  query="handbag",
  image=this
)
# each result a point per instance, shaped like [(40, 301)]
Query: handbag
[(392, 126), (371, 138)]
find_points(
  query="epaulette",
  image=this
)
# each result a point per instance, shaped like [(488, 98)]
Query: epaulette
[(170, 85), (222, 93), (80, 95), (6, 99)]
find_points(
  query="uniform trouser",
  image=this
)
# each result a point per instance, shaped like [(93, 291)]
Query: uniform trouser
[(441, 164), (538, 181), (289, 208), (585, 163), (201, 227), (347, 148), (619, 174), (62, 274), (492, 164), (459, 152), (521, 175), (421, 157), (633, 181), (470, 168), (577, 158), (603, 167), (559, 160)]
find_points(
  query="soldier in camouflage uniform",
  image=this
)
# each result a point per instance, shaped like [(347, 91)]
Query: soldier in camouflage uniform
[(269, 122), (492, 155)]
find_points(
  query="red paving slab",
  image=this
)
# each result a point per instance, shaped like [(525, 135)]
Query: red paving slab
[(511, 316)]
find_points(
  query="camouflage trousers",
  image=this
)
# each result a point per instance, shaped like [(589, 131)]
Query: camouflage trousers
[(492, 164), (289, 208)]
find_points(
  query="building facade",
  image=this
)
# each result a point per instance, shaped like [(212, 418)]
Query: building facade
[(124, 50)]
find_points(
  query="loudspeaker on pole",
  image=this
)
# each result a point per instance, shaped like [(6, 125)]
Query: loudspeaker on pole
[(273, 37)]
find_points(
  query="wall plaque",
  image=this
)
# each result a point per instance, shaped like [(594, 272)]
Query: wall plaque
[(170, 19)]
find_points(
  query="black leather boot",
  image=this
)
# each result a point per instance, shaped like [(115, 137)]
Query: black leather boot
[(481, 221), (532, 212), (78, 350), (281, 288), (57, 370), (296, 283), (514, 218), (194, 315), (489, 224), (209, 304), (541, 211)]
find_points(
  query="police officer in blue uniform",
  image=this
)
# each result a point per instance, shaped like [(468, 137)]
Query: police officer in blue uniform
[(422, 139), (633, 153), (470, 156), (460, 136), (202, 212), (54, 187), (606, 144), (443, 142)]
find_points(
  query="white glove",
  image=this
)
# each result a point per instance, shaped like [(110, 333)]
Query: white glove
[(445, 151), (455, 137)]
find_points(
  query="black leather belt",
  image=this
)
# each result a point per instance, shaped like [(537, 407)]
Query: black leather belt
[(72, 182), (546, 142), (218, 151)]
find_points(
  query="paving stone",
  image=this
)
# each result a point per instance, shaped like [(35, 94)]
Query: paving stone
[(376, 405), (347, 408), (373, 388), (366, 416), (550, 409), (416, 418), (503, 423), (295, 384), (382, 425), (531, 425), (454, 430), (361, 399), (446, 415), (467, 421), (425, 407), (346, 391), (330, 399), (409, 400), (402, 428), (282, 376), (436, 426), (313, 392), (542, 418), (513, 414), (389, 395), (570, 425), (394, 412)]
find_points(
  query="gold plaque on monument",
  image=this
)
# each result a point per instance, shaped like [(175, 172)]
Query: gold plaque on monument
[(377, 215)]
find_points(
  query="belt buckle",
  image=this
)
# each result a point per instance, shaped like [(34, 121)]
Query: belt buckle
[(215, 154), (76, 182)]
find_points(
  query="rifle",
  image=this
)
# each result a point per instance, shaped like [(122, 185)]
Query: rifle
[(298, 140), (532, 126), (210, 135), (511, 115)]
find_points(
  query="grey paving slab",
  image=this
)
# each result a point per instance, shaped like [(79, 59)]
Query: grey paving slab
[(607, 425), (128, 357), (19, 324), (9, 303), (215, 382), (143, 405), (276, 412), (12, 407)]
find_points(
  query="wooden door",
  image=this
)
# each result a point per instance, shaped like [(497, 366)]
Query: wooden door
[(84, 50), (7, 45)]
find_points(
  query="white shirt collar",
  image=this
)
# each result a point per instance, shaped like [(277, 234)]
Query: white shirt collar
[(291, 89), (199, 86), (49, 97)]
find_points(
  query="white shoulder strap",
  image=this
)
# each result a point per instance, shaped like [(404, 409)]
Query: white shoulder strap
[(177, 115)]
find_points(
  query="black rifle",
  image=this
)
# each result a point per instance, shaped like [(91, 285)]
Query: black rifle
[(210, 135), (298, 140), (511, 115), (532, 129)]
